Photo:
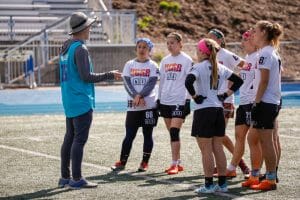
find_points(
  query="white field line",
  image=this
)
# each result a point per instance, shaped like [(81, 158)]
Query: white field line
[(183, 185)]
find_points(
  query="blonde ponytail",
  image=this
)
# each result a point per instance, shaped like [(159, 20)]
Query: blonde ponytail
[(214, 48)]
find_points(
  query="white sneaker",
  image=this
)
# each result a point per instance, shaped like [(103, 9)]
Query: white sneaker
[(222, 188), (203, 189)]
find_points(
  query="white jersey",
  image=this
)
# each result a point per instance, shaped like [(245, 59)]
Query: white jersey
[(202, 72), (230, 60), (270, 60), (173, 72), (139, 74), (248, 89)]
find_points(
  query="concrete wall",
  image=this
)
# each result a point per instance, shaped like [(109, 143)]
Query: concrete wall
[(104, 59)]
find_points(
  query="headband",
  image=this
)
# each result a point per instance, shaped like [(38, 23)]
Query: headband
[(175, 35), (246, 35), (147, 41), (203, 47), (217, 33)]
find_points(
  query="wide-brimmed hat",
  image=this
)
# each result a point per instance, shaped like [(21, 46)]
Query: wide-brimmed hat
[(79, 21)]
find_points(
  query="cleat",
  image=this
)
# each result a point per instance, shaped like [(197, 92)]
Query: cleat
[(230, 174), (264, 185), (82, 183), (180, 168), (203, 189), (63, 182), (222, 188), (118, 166), (173, 170), (143, 167), (251, 181)]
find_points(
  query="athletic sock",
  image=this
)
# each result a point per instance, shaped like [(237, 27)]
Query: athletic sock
[(208, 181), (174, 162), (146, 157), (178, 162), (255, 172), (221, 180), (231, 167), (271, 176)]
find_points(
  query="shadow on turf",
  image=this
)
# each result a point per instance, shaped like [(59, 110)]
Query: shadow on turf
[(39, 194), (150, 178)]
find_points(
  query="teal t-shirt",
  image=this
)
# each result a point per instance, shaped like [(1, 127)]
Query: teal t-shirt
[(78, 97)]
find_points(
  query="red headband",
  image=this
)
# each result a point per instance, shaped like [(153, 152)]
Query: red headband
[(246, 35), (203, 47)]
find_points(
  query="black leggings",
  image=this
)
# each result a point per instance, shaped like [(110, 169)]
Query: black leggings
[(129, 137)]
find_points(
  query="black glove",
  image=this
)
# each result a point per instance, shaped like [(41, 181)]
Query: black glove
[(255, 111), (187, 107), (222, 97), (199, 99)]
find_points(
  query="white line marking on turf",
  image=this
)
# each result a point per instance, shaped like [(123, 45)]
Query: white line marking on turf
[(183, 185)]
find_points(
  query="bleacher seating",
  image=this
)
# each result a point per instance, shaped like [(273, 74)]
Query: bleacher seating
[(21, 18)]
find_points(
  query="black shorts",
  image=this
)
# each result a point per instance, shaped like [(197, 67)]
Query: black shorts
[(171, 111), (208, 122), (243, 115), (143, 118), (266, 116)]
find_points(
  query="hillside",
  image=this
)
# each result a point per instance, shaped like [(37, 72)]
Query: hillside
[(193, 19)]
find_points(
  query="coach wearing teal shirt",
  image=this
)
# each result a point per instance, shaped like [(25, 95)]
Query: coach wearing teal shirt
[(78, 96)]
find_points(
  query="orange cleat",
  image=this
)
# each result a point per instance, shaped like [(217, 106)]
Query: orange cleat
[(251, 181), (172, 170), (230, 174), (264, 185), (143, 167), (180, 168), (118, 166)]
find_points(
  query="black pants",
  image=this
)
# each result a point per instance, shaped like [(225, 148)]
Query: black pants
[(129, 137), (72, 148)]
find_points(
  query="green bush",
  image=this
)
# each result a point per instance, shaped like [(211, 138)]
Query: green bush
[(164, 5), (172, 6), (144, 22)]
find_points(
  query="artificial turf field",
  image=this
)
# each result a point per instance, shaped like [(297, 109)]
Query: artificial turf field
[(30, 161)]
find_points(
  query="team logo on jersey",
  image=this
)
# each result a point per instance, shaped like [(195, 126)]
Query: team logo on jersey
[(171, 76), (139, 81), (173, 67), (235, 57), (262, 60), (221, 62), (140, 72)]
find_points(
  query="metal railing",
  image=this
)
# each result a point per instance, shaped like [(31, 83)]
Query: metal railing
[(112, 28)]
